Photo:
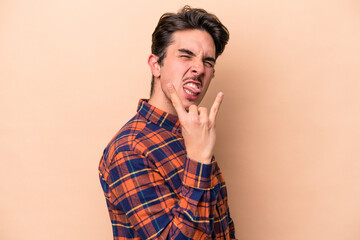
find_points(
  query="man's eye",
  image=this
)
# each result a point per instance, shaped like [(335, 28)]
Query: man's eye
[(209, 64), (185, 56)]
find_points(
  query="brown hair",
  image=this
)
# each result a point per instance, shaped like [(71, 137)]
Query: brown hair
[(187, 18)]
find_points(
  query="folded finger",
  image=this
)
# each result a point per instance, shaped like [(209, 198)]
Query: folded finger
[(203, 114), (193, 110)]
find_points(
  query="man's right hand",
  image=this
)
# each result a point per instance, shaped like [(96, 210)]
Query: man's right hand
[(198, 127)]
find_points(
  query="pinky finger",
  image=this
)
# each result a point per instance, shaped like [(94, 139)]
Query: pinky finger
[(215, 107)]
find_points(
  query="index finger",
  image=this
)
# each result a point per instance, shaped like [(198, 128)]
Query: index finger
[(215, 107), (179, 108)]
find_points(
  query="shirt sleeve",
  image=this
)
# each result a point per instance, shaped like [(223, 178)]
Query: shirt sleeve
[(223, 192), (231, 224), (135, 186)]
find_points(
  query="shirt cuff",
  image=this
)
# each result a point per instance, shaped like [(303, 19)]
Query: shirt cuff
[(200, 175)]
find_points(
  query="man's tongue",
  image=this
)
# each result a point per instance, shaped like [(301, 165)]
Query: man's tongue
[(192, 89)]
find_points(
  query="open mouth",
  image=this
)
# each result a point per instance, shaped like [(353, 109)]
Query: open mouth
[(192, 88)]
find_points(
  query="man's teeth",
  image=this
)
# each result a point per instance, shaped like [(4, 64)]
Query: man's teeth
[(190, 93), (193, 85)]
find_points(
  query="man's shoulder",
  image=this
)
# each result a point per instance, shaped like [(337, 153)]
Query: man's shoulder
[(134, 137), (125, 137)]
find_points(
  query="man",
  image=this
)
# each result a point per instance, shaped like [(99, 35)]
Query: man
[(158, 173)]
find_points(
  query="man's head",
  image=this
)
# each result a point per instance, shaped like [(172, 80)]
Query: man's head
[(195, 39)]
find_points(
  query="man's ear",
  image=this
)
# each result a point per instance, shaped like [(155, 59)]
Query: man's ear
[(154, 65)]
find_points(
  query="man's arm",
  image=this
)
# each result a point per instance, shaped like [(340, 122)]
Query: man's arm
[(223, 192), (134, 185)]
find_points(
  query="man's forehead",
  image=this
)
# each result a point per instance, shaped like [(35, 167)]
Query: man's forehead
[(196, 41)]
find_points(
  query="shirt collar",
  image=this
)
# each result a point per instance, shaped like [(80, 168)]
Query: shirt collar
[(158, 116)]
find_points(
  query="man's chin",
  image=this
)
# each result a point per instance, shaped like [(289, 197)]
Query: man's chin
[(187, 102)]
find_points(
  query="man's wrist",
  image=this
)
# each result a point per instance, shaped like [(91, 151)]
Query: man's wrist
[(200, 159)]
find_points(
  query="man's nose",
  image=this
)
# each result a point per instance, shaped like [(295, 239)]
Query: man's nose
[(197, 67)]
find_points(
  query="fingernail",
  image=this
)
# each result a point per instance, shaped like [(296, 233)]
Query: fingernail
[(169, 86)]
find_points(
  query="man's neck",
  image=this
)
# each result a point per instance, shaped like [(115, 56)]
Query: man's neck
[(163, 103)]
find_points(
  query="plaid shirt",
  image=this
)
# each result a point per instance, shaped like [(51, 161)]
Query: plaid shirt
[(154, 191)]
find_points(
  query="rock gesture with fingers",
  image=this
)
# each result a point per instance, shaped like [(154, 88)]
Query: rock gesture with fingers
[(198, 127)]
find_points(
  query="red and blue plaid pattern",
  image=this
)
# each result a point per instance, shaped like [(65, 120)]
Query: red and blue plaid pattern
[(154, 191)]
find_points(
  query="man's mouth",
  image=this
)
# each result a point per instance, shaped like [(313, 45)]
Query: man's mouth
[(192, 87)]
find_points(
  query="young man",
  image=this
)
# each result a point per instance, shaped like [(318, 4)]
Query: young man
[(159, 175)]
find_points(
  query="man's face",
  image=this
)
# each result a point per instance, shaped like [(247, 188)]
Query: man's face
[(188, 65)]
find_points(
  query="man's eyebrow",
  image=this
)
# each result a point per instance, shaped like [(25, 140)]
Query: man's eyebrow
[(187, 51), (210, 59)]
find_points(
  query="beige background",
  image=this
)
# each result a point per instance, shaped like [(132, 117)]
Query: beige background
[(288, 132)]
